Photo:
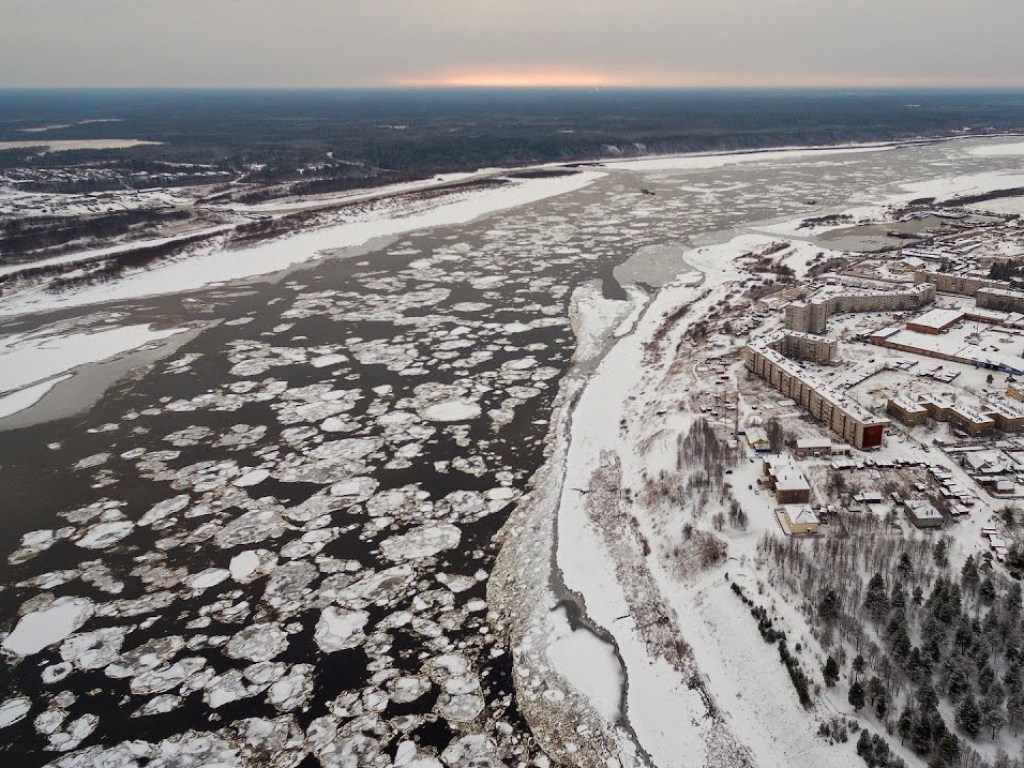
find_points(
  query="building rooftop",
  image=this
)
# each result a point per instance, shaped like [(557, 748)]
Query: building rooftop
[(813, 443), (922, 509), (939, 318), (795, 369)]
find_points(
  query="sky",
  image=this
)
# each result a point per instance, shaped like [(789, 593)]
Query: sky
[(390, 43)]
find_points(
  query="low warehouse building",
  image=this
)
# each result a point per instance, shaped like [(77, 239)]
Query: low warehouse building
[(813, 446), (800, 519), (935, 322), (787, 481), (923, 514)]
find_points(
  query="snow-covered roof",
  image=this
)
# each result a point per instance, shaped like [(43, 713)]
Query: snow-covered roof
[(813, 443), (938, 318)]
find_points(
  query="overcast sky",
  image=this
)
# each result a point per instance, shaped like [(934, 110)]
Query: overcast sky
[(365, 43)]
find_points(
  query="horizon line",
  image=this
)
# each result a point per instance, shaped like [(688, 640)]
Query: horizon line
[(930, 86)]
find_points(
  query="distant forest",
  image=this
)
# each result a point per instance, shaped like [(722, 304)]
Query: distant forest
[(330, 140)]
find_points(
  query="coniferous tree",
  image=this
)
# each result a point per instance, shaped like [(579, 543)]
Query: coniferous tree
[(830, 672), (905, 567), (905, 726), (858, 665), (993, 718), (941, 553), (968, 716), (856, 697), (830, 606), (969, 574), (875, 600)]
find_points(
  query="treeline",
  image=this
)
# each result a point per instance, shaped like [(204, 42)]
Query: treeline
[(773, 636), (1006, 270), (20, 237)]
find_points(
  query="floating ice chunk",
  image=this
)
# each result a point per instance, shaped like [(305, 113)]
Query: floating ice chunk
[(102, 535), (56, 672), (74, 734), (460, 707), (408, 756), (279, 742), (265, 672), (339, 629), (203, 580), (227, 688), (325, 361), (501, 494), (165, 509), (48, 625), (164, 679), (150, 654), (250, 528), (423, 541), (159, 705), (50, 721), (397, 502), (457, 583), (293, 690), (315, 506), (14, 710), (354, 490), (257, 642), (474, 751), (286, 590), (243, 566), (94, 650), (32, 543), (253, 477), (407, 689), (337, 424), (380, 588), (95, 460), (451, 410)]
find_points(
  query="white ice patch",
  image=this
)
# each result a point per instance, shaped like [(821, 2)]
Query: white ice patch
[(257, 642), (102, 535), (338, 630), (424, 541), (28, 397), (451, 410), (588, 664), (48, 625), (254, 477), (14, 710)]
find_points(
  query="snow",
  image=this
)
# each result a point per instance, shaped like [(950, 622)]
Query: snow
[(997, 150), (14, 710), (29, 396), (422, 541), (93, 254), (667, 716), (953, 186), (338, 629), (222, 266), (702, 162), (49, 625), (588, 663), (29, 358), (255, 477), (451, 410)]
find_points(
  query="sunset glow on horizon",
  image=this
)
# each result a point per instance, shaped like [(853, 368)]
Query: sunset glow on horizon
[(563, 78)]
